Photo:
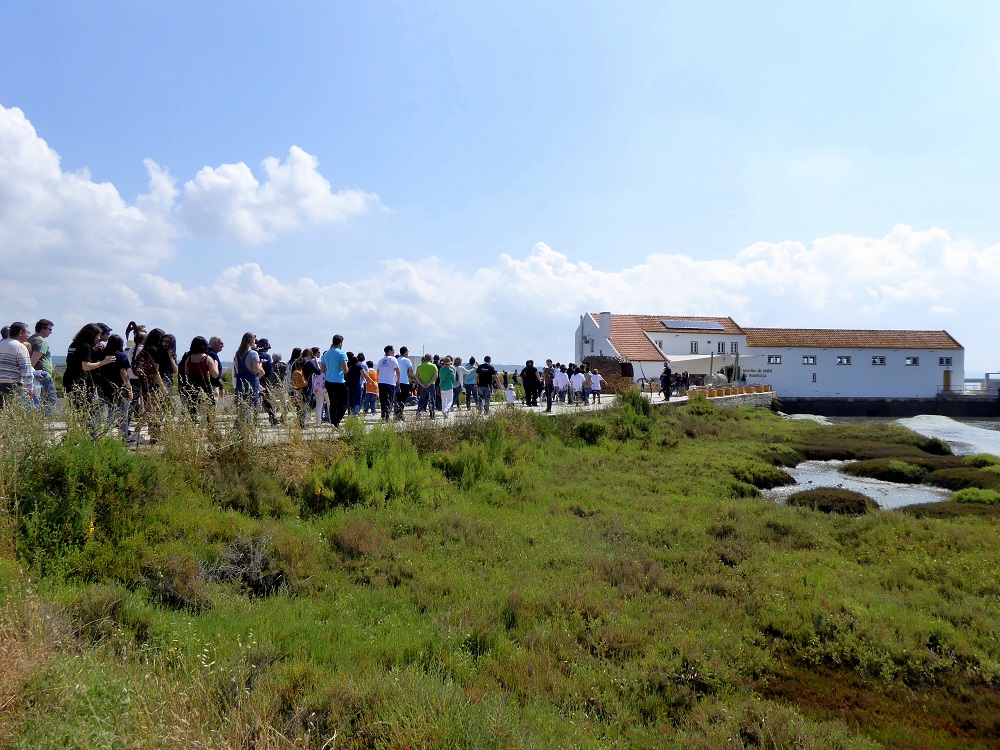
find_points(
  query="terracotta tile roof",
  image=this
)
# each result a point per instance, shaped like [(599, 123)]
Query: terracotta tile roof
[(628, 333), (821, 338)]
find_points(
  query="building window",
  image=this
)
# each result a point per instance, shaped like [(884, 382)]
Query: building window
[(843, 359), (878, 360), (720, 348), (734, 347), (912, 361), (694, 347), (809, 359), (591, 344), (814, 377), (659, 345), (774, 359), (944, 361)]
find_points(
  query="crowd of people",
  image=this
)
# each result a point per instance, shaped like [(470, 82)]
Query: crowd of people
[(125, 381)]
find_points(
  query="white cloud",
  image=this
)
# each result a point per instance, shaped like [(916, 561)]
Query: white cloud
[(524, 307), (65, 237), (64, 225), (73, 250), (228, 201)]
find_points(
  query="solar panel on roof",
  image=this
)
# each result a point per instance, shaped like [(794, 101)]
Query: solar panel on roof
[(701, 325)]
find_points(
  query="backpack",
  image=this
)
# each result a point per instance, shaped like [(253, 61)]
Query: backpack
[(299, 380), (318, 382)]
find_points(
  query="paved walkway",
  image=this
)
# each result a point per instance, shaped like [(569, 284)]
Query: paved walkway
[(278, 433)]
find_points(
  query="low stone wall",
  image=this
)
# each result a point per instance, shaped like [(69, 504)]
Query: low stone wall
[(741, 399), (952, 406)]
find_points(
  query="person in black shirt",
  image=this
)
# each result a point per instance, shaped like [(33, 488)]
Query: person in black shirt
[(79, 380), (486, 379), (529, 377)]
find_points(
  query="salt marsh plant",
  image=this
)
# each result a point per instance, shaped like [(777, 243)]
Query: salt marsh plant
[(607, 579)]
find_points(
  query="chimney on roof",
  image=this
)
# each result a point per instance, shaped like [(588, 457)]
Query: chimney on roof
[(604, 323)]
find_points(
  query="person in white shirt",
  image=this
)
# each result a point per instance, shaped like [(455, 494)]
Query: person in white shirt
[(388, 381), (560, 382), (406, 376), (596, 379), (577, 381), (17, 377)]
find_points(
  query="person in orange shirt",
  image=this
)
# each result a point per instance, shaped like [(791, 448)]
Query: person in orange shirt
[(371, 388)]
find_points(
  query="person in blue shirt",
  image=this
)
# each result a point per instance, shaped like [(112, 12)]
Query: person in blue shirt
[(333, 364)]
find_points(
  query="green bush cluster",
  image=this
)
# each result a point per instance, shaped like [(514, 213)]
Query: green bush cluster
[(379, 468), (981, 460), (977, 495), (517, 581), (590, 431), (78, 490), (762, 475), (889, 470), (833, 500)]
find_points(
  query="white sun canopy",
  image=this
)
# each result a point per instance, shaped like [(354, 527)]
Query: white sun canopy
[(706, 364)]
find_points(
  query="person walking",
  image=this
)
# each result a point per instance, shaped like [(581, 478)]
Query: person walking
[(406, 376), (447, 377), (247, 372), (486, 380), (471, 394), (333, 365), (388, 381), (427, 376), (41, 360)]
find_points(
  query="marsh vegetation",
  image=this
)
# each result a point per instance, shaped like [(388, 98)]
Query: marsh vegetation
[(609, 579)]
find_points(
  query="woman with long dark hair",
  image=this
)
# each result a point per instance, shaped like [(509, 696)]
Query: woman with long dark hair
[(247, 371), (115, 388), (147, 365), (198, 371), (80, 377)]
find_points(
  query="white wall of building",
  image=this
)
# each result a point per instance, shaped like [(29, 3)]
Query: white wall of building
[(861, 378), (592, 339)]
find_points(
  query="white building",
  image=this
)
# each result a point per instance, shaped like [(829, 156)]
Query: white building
[(796, 363)]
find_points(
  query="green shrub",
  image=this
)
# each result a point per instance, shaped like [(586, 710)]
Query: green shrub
[(237, 476), (961, 477), (761, 475), (108, 614), (178, 581), (834, 500), (634, 401), (469, 464), (590, 430), (888, 470), (698, 404), (981, 460), (76, 489), (380, 467), (934, 446), (977, 495)]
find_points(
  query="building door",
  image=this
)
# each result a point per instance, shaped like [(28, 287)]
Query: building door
[(947, 380)]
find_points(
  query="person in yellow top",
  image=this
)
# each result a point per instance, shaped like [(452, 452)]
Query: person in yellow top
[(427, 375)]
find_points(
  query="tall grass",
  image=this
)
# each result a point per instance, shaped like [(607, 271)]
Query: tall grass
[(608, 579)]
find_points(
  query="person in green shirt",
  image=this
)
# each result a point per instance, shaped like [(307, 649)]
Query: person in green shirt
[(41, 359), (427, 375), (447, 376)]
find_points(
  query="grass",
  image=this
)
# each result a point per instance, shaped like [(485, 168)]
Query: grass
[(600, 580)]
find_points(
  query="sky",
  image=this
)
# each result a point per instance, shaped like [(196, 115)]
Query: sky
[(471, 178)]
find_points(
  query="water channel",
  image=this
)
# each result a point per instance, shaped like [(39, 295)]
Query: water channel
[(965, 437)]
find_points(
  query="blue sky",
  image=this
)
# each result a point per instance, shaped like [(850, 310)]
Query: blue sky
[(469, 178)]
